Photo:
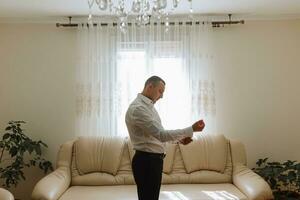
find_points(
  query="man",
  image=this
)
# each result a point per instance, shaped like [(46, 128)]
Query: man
[(148, 138)]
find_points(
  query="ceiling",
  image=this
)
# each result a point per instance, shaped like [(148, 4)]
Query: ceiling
[(62, 8)]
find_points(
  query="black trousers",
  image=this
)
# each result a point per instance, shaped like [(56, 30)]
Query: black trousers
[(147, 171)]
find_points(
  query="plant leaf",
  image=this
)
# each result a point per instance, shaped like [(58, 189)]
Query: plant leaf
[(5, 136), (13, 151)]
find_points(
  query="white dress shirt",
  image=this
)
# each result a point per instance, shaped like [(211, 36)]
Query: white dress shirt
[(145, 129)]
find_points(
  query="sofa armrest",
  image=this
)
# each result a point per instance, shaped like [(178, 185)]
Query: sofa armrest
[(53, 185), (5, 195), (251, 184)]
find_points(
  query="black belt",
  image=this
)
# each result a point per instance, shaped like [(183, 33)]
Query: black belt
[(157, 155)]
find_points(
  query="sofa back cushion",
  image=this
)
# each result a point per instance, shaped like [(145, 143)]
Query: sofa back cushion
[(207, 152), (123, 177), (107, 161), (98, 154)]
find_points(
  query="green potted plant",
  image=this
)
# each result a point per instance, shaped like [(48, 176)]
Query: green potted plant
[(283, 178), (18, 151)]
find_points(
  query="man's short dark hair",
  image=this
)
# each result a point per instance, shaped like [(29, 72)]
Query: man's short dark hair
[(154, 80)]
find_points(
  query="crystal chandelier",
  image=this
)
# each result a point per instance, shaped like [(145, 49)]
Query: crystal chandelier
[(141, 9)]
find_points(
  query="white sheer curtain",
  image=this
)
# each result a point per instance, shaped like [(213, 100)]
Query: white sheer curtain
[(113, 67)]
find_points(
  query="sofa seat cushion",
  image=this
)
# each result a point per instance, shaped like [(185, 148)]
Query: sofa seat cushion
[(168, 192), (224, 191)]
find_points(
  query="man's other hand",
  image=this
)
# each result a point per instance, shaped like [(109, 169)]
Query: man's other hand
[(198, 126), (186, 140)]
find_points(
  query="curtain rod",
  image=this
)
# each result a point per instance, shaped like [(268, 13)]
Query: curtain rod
[(214, 24)]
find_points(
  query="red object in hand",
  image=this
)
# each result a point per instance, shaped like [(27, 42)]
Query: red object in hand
[(198, 126)]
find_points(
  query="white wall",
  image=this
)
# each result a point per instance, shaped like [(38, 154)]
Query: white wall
[(37, 85), (258, 91), (257, 86)]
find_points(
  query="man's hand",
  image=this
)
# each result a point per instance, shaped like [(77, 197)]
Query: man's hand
[(185, 140), (198, 126)]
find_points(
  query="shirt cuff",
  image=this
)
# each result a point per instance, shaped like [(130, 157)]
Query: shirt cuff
[(189, 131)]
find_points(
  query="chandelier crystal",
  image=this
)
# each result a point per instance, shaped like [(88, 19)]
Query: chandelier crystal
[(143, 10)]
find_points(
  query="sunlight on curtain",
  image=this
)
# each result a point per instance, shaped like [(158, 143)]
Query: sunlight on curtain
[(131, 75), (174, 108), (113, 67)]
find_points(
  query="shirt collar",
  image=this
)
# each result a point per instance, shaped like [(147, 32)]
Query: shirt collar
[(145, 99)]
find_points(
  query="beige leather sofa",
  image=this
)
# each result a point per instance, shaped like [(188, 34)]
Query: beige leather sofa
[(5, 195), (211, 167)]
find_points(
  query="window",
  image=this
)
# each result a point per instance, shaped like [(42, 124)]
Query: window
[(135, 66)]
